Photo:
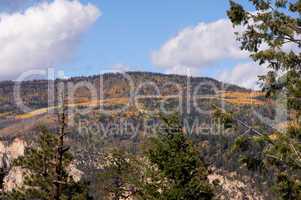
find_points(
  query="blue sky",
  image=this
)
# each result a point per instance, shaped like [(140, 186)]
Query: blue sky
[(129, 31), (85, 37)]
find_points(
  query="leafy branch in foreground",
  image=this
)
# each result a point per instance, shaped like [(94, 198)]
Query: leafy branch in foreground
[(272, 35)]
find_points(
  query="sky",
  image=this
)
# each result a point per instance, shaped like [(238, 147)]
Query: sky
[(87, 37)]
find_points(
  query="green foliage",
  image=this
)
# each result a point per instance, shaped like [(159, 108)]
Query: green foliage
[(223, 118), (120, 175), (250, 153), (276, 154), (181, 172), (170, 168), (288, 187), (272, 36), (41, 175)]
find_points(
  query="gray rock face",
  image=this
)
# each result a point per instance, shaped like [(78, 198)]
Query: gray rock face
[(10, 177), (13, 179), (4, 158), (234, 188)]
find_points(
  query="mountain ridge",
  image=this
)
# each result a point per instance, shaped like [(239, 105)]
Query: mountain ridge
[(34, 93)]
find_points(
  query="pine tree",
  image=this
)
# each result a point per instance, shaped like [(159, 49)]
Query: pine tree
[(170, 168), (45, 165), (176, 168), (272, 35)]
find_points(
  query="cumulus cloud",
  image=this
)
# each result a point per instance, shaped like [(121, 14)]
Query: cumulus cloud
[(199, 46), (42, 36), (207, 44), (245, 74)]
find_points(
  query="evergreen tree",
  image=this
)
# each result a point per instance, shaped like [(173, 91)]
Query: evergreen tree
[(170, 169), (272, 35), (175, 166), (45, 169)]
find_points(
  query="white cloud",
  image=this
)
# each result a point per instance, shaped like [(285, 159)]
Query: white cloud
[(245, 75), (199, 46), (42, 36), (120, 67), (206, 44)]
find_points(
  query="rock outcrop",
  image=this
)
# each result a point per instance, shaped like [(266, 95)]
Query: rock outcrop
[(233, 187), (10, 177), (13, 179)]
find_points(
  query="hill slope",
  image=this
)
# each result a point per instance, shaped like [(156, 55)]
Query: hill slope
[(35, 93)]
